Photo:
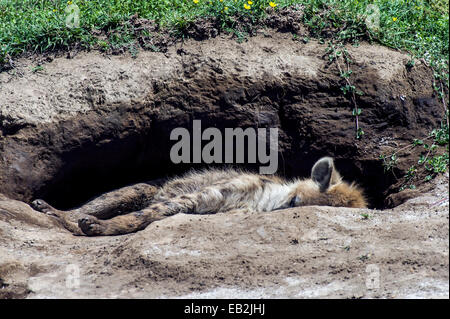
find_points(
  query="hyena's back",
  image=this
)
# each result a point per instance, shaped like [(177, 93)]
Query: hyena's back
[(196, 181)]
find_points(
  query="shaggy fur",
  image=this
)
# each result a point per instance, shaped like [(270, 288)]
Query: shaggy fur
[(206, 192)]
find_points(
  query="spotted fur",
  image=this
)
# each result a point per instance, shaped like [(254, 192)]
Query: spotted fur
[(206, 192)]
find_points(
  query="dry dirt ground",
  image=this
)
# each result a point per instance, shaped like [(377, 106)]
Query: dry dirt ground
[(308, 252), (84, 123)]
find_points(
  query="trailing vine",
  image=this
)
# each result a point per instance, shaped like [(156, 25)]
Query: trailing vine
[(336, 53)]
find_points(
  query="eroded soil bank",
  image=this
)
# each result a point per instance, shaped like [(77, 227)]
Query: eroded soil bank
[(93, 123), (89, 124)]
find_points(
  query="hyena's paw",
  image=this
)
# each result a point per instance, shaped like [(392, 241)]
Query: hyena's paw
[(43, 207), (92, 226)]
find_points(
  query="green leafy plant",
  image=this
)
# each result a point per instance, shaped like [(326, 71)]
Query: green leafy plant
[(337, 53), (433, 160), (37, 68)]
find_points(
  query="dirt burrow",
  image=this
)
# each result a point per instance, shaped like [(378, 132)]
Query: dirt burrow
[(308, 252), (107, 119), (93, 123)]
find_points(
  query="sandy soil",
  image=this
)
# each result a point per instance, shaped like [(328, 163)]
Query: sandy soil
[(67, 87), (309, 252)]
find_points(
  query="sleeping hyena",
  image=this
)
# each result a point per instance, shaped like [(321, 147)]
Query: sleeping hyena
[(205, 192)]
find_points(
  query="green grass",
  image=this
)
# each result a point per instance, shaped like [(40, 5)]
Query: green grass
[(420, 27)]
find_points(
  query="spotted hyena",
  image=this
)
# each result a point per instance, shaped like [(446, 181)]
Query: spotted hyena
[(132, 208)]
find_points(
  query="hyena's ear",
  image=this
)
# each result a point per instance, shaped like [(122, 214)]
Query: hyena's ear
[(324, 173)]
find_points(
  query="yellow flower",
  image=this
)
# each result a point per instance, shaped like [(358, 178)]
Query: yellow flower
[(226, 8), (246, 6), (272, 4), (54, 10), (394, 19), (250, 2), (69, 2), (195, 1), (221, 0)]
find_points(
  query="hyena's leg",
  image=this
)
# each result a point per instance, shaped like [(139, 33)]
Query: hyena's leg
[(123, 200), (114, 203), (67, 218), (207, 201)]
